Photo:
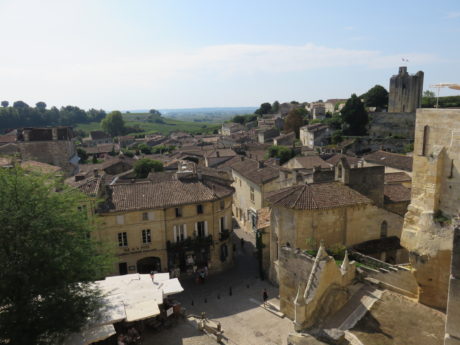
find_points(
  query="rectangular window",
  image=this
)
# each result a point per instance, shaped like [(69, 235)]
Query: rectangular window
[(222, 224), (252, 194), (145, 216), (180, 232), (201, 229), (122, 239), (199, 209), (146, 236), (120, 220), (222, 204), (178, 212)]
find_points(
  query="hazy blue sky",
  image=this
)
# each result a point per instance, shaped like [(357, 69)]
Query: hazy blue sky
[(195, 53)]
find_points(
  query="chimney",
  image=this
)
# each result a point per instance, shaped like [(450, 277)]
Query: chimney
[(261, 164), (217, 154), (242, 158)]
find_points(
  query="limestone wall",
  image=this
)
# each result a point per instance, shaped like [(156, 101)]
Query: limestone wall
[(54, 152), (400, 280), (435, 188), (294, 270), (384, 125), (453, 305), (347, 225)]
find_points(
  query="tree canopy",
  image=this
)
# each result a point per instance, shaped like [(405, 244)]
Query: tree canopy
[(22, 115), (376, 97), (295, 119), (355, 116), (49, 259), (144, 166), (242, 119), (283, 153), (265, 108), (113, 124)]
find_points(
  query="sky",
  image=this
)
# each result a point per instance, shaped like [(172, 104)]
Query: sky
[(118, 54)]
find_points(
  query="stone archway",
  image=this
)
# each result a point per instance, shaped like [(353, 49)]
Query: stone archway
[(149, 264)]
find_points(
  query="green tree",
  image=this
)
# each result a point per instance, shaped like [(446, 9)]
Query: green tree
[(5, 104), (264, 108), (144, 166), (275, 107), (145, 149), (113, 124), (295, 119), (376, 97), (40, 105), (82, 154), (49, 260), (355, 116), (429, 94), (336, 137), (154, 112), (283, 153)]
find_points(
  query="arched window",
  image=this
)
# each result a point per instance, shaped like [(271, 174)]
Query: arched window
[(384, 229), (426, 134)]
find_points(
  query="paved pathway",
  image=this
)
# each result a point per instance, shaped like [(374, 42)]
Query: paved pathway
[(243, 319)]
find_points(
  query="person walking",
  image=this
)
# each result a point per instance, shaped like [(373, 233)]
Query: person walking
[(265, 297)]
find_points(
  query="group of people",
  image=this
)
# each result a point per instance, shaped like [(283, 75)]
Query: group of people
[(200, 274), (131, 338)]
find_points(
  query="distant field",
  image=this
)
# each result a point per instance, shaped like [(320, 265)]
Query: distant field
[(170, 125)]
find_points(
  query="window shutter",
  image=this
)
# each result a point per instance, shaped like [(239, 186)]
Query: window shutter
[(175, 233), (196, 229), (185, 231), (206, 228), (150, 216)]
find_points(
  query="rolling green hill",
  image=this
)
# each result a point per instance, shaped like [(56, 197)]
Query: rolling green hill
[(140, 120)]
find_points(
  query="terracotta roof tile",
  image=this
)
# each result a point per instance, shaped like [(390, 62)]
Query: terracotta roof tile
[(250, 169), (336, 158), (397, 177), (396, 193), (317, 196), (389, 159), (169, 193), (309, 162)]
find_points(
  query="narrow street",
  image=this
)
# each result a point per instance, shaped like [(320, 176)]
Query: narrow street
[(233, 298)]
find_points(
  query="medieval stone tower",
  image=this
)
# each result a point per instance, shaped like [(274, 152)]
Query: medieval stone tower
[(405, 91)]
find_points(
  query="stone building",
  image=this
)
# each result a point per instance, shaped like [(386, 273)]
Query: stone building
[(284, 139), (315, 135), (170, 221), (96, 138), (50, 145), (427, 232), (230, 128), (252, 181), (344, 212), (317, 110), (334, 105), (267, 135), (405, 94)]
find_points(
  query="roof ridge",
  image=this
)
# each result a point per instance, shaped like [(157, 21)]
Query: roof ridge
[(300, 194)]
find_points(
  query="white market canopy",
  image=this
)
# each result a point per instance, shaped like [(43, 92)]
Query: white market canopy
[(129, 297)]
